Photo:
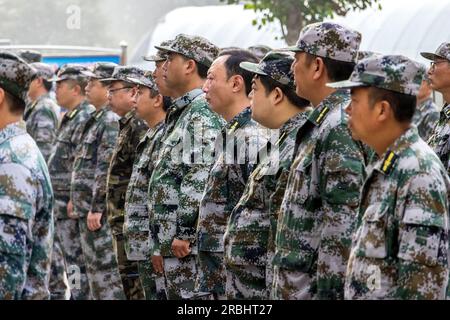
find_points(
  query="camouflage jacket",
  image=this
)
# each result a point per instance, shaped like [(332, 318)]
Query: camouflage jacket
[(425, 118), (61, 160), (253, 220), (318, 212), (42, 118), (439, 140), (182, 169), (136, 225), (236, 157), (132, 130), (400, 248), (26, 218), (92, 159)]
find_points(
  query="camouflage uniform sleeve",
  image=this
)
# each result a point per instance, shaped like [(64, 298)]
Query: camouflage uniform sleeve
[(105, 150), (26, 236), (341, 169), (196, 175), (428, 124), (44, 132), (423, 240)]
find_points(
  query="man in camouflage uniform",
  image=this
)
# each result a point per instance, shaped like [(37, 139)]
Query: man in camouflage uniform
[(88, 185), (181, 171), (439, 76), (42, 118), (151, 106), (427, 114), (318, 211), (70, 94), (42, 113), (132, 130), (26, 217), (227, 88), (400, 248), (249, 238)]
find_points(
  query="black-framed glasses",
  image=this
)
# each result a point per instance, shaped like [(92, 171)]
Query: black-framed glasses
[(111, 91)]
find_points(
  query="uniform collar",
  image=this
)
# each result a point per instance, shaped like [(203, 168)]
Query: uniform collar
[(12, 130), (239, 121), (296, 121), (185, 100), (388, 161), (99, 114), (319, 114), (127, 117), (446, 111), (72, 114)]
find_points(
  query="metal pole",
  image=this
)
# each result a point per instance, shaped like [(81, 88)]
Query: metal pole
[(124, 55)]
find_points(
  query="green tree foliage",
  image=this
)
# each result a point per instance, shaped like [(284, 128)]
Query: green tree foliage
[(293, 15)]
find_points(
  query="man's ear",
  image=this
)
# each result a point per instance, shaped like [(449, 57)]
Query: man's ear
[(319, 68), (159, 100), (277, 96), (2, 97), (384, 110), (190, 66), (237, 83)]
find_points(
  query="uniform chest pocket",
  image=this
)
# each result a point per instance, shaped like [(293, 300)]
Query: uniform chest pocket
[(301, 181), (64, 147), (423, 237), (371, 236)]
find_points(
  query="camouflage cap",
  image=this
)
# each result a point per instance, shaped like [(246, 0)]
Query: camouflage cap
[(122, 73), (44, 70), (443, 52), (276, 65), (259, 51), (15, 75), (101, 70), (30, 56), (366, 54), (70, 72), (193, 47), (145, 80), (329, 40), (391, 72), (160, 55)]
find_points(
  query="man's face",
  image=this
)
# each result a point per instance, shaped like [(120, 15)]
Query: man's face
[(173, 74), (120, 95), (218, 87), (439, 75), (362, 116), (302, 75), (65, 93), (145, 104), (260, 104), (96, 92), (158, 75)]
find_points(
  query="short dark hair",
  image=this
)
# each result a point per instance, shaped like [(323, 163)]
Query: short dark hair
[(202, 70), (336, 70), (47, 85), (403, 105), (236, 56), (16, 105), (270, 84), (80, 81)]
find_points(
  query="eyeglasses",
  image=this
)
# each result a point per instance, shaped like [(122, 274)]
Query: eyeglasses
[(434, 63), (112, 91)]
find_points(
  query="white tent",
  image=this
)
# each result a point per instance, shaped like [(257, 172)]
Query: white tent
[(405, 27), (225, 26)]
